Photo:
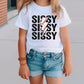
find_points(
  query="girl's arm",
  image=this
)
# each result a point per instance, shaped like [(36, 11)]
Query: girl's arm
[(67, 49), (22, 44), (66, 42), (24, 69)]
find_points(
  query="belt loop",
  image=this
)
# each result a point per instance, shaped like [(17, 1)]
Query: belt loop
[(32, 52), (51, 54), (35, 52), (61, 53)]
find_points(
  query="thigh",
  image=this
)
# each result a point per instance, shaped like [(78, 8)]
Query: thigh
[(54, 80), (36, 79)]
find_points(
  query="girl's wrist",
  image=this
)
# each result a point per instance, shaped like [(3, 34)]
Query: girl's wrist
[(68, 59), (23, 62), (22, 58)]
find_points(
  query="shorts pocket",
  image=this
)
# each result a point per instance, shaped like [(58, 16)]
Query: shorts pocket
[(57, 58), (29, 56)]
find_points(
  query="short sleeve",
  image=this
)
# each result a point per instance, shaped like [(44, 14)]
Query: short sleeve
[(22, 19), (65, 20)]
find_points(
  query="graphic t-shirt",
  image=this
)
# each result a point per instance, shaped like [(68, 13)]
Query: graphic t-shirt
[(43, 27)]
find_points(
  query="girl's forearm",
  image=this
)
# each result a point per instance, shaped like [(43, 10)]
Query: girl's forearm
[(66, 42), (67, 48), (22, 49)]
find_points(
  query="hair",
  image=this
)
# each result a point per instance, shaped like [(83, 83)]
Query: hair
[(55, 4)]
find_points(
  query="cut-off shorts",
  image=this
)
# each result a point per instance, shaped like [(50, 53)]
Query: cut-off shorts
[(47, 63)]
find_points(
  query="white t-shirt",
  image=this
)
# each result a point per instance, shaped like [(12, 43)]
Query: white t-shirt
[(43, 27)]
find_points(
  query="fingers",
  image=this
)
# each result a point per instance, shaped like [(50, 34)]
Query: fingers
[(25, 76), (66, 73)]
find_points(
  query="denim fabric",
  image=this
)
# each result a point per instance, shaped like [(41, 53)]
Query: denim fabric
[(48, 63)]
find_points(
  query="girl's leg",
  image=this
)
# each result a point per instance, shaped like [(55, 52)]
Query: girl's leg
[(54, 80), (36, 80)]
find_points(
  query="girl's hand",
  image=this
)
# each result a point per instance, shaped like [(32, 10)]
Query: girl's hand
[(24, 71), (67, 68)]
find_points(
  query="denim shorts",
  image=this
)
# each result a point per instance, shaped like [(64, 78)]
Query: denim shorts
[(47, 63)]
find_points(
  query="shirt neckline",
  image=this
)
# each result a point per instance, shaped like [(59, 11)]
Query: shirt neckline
[(35, 4)]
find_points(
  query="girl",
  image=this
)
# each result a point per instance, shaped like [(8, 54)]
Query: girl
[(43, 37)]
